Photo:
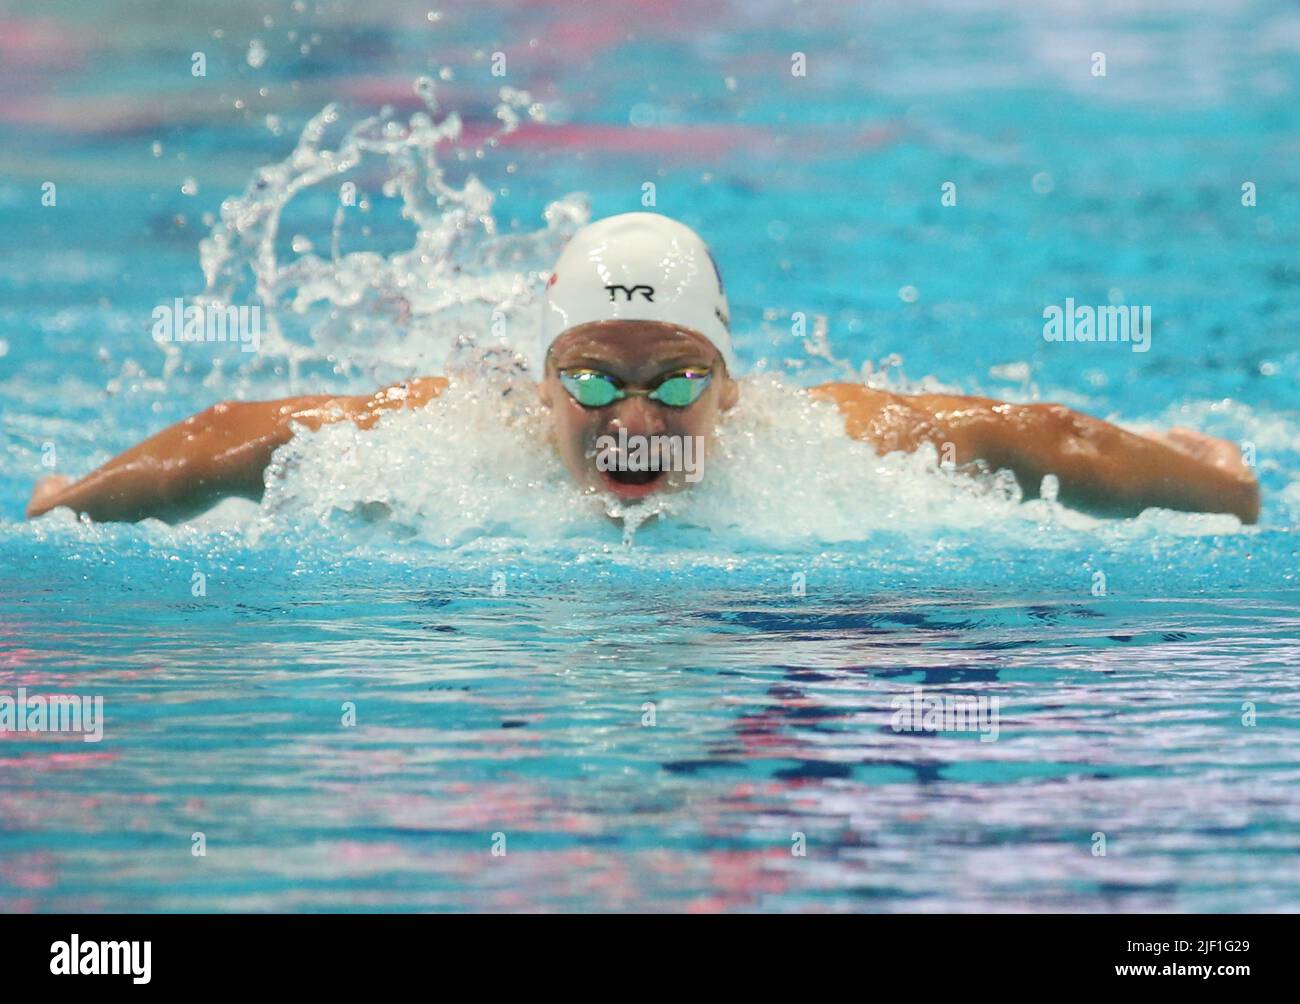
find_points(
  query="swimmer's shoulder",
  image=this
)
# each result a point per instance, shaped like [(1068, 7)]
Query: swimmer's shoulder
[(861, 399), (414, 392), (881, 417), (855, 398), (422, 390), (901, 421)]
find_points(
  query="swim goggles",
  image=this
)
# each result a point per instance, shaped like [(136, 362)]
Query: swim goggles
[(594, 389)]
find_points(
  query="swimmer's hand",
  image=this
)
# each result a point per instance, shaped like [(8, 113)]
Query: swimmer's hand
[(1100, 468), (46, 490), (1221, 453), (218, 453)]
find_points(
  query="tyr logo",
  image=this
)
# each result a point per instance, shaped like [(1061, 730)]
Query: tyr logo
[(647, 291)]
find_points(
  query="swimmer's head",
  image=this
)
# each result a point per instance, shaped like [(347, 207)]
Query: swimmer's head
[(637, 355)]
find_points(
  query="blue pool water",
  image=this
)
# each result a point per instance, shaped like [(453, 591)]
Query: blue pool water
[(504, 647)]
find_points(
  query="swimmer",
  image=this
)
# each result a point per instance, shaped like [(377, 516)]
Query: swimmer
[(637, 343)]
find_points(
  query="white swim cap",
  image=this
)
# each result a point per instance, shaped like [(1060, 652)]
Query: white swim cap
[(637, 267)]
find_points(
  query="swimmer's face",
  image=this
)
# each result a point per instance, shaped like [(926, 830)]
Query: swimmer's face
[(639, 355)]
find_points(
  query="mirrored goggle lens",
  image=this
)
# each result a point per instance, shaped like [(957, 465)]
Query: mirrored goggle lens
[(679, 391), (591, 390)]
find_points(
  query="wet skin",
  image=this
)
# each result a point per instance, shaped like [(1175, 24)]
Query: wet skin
[(1101, 468)]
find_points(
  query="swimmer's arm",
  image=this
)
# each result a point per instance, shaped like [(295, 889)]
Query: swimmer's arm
[(1100, 467), (217, 453)]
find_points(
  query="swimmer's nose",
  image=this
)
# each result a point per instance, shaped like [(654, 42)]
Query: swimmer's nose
[(639, 415)]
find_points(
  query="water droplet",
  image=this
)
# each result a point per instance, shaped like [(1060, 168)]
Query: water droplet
[(427, 91), (642, 115)]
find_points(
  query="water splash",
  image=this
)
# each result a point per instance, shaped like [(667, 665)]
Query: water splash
[(387, 314)]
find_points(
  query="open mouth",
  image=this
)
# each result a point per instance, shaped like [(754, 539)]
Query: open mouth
[(632, 484)]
